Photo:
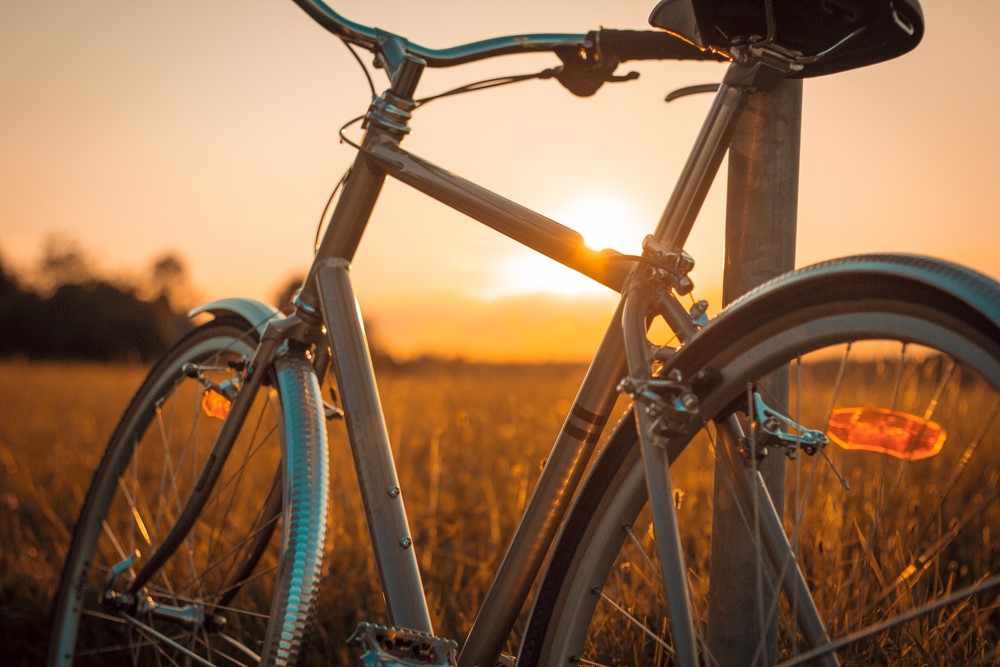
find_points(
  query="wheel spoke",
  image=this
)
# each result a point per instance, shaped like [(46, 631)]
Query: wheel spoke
[(224, 558), (154, 463), (870, 556), (853, 638), (638, 624), (164, 639), (240, 647)]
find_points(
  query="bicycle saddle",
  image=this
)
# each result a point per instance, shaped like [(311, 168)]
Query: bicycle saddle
[(848, 33)]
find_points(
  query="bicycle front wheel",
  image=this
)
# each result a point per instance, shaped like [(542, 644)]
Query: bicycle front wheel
[(239, 587), (893, 523)]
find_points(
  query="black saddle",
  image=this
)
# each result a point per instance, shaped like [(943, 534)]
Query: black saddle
[(881, 29)]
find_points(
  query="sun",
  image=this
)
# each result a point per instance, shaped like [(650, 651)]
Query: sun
[(604, 221)]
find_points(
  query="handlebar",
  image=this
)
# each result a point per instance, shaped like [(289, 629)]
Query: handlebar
[(617, 45), (587, 68), (371, 39), (647, 45)]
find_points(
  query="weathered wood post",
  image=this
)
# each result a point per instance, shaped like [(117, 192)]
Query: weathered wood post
[(760, 244)]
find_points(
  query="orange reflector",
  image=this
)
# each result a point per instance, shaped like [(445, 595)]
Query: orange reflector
[(898, 434), (215, 404)]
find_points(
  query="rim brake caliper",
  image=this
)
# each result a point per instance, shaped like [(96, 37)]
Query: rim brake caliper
[(776, 429)]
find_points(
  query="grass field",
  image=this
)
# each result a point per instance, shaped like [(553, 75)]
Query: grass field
[(467, 472), (55, 422)]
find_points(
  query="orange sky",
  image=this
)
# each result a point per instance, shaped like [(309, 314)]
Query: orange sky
[(209, 128)]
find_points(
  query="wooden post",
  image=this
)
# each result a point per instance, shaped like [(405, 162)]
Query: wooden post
[(760, 244)]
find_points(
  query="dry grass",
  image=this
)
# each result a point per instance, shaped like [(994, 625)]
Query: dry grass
[(466, 476), (466, 473), (55, 420)]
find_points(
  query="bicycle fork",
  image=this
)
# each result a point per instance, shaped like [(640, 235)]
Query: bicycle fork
[(666, 406), (661, 406)]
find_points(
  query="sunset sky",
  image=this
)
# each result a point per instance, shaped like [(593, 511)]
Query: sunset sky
[(209, 128)]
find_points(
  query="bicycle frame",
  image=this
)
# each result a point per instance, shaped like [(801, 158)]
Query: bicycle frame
[(327, 305), (574, 545), (328, 290)]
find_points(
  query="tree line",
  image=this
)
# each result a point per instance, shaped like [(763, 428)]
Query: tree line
[(68, 311)]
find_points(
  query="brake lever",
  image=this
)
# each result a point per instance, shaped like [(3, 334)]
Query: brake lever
[(619, 78), (692, 90), (584, 82)]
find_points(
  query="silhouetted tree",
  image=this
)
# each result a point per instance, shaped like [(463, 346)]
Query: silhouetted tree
[(8, 283), (19, 313), (101, 321), (169, 280), (82, 316), (63, 263)]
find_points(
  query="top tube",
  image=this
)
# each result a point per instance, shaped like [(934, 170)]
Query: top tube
[(370, 38)]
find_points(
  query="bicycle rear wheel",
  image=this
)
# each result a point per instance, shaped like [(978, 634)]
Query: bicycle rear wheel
[(898, 360), (240, 587)]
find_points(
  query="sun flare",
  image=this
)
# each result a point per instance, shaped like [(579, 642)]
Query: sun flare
[(531, 274), (604, 221)]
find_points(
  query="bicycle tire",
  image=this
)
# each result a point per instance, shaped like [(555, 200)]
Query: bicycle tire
[(241, 588), (926, 308)]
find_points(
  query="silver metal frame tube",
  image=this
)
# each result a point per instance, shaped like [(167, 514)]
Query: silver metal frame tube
[(329, 285), (525, 226), (555, 489), (753, 494), (657, 464), (395, 556), (701, 167), (348, 222)]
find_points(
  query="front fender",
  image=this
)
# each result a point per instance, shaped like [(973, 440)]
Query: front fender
[(257, 313)]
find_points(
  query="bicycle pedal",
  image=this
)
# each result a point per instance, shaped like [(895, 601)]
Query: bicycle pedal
[(386, 646)]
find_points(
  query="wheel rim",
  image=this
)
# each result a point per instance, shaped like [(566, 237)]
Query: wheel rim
[(211, 600), (909, 531)]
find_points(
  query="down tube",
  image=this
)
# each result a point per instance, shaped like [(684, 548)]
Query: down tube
[(385, 513), (575, 444), (551, 498)]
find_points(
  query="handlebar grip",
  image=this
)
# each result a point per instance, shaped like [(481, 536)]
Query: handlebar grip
[(648, 45)]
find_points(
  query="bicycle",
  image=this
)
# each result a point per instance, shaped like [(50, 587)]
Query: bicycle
[(201, 538)]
